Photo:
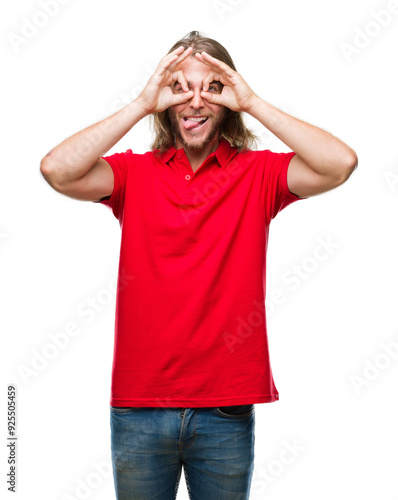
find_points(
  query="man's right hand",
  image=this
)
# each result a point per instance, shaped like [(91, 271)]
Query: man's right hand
[(75, 167), (157, 94)]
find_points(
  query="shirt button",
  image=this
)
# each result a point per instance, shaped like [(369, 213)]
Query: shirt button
[(187, 177), (179, 156)]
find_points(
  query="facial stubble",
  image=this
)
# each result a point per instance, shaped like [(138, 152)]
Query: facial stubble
[(176, 129)]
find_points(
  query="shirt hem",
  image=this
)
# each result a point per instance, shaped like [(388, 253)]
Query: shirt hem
[(194, 402)]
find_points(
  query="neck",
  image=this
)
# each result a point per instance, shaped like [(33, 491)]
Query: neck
[(197, 156)]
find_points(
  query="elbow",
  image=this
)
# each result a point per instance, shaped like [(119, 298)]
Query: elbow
[(50, 174), (352, 162), (349, 164), (45, 168)]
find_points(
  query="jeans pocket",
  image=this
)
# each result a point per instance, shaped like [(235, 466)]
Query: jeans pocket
[(123, 409), (235, 412)]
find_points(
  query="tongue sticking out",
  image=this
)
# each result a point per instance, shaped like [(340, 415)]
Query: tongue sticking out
[(191, 124)]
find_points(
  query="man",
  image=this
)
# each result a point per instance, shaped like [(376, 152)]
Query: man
[(191, 355)]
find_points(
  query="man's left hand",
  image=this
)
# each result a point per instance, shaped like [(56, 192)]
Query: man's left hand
[(236, 93)]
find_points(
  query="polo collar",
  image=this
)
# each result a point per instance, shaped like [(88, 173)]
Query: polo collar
[(223, 152)]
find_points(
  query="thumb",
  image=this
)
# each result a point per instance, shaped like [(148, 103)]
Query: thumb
[(181, 97)]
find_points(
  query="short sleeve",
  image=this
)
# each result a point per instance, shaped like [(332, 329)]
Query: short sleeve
[(120, 163), (277, 192)]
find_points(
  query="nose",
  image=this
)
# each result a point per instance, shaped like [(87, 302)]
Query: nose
[(196, 101)]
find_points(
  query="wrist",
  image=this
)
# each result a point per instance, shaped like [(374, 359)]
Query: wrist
[(252, 105), (141, 107)]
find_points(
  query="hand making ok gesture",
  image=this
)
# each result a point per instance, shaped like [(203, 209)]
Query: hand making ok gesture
[(157, 94), (236, 93)]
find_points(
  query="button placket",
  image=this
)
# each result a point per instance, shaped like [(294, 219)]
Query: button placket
[(183, 169)]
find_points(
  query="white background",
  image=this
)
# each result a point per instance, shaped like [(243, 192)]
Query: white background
[(338, 386)]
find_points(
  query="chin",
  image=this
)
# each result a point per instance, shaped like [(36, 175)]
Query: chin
[(193, 141), (197, 143)]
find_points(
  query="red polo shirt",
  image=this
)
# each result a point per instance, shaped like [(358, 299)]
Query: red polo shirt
[(190, 326)]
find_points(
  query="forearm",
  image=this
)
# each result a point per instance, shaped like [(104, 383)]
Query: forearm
[(75, 156), (320, 150)]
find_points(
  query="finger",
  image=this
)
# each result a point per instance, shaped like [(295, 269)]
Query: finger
[(209, 78), (186, 53), (178, 76), (174, 55), (203, 60), (212, 98), (169, 59), (181, 98), (216, 64), (213, 61)]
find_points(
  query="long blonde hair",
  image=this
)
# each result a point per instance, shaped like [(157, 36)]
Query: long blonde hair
[(233, 129)]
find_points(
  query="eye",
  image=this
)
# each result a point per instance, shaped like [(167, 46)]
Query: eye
[(214, 88)]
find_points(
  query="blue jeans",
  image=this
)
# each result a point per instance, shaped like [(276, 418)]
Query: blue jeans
[(150, 446)]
